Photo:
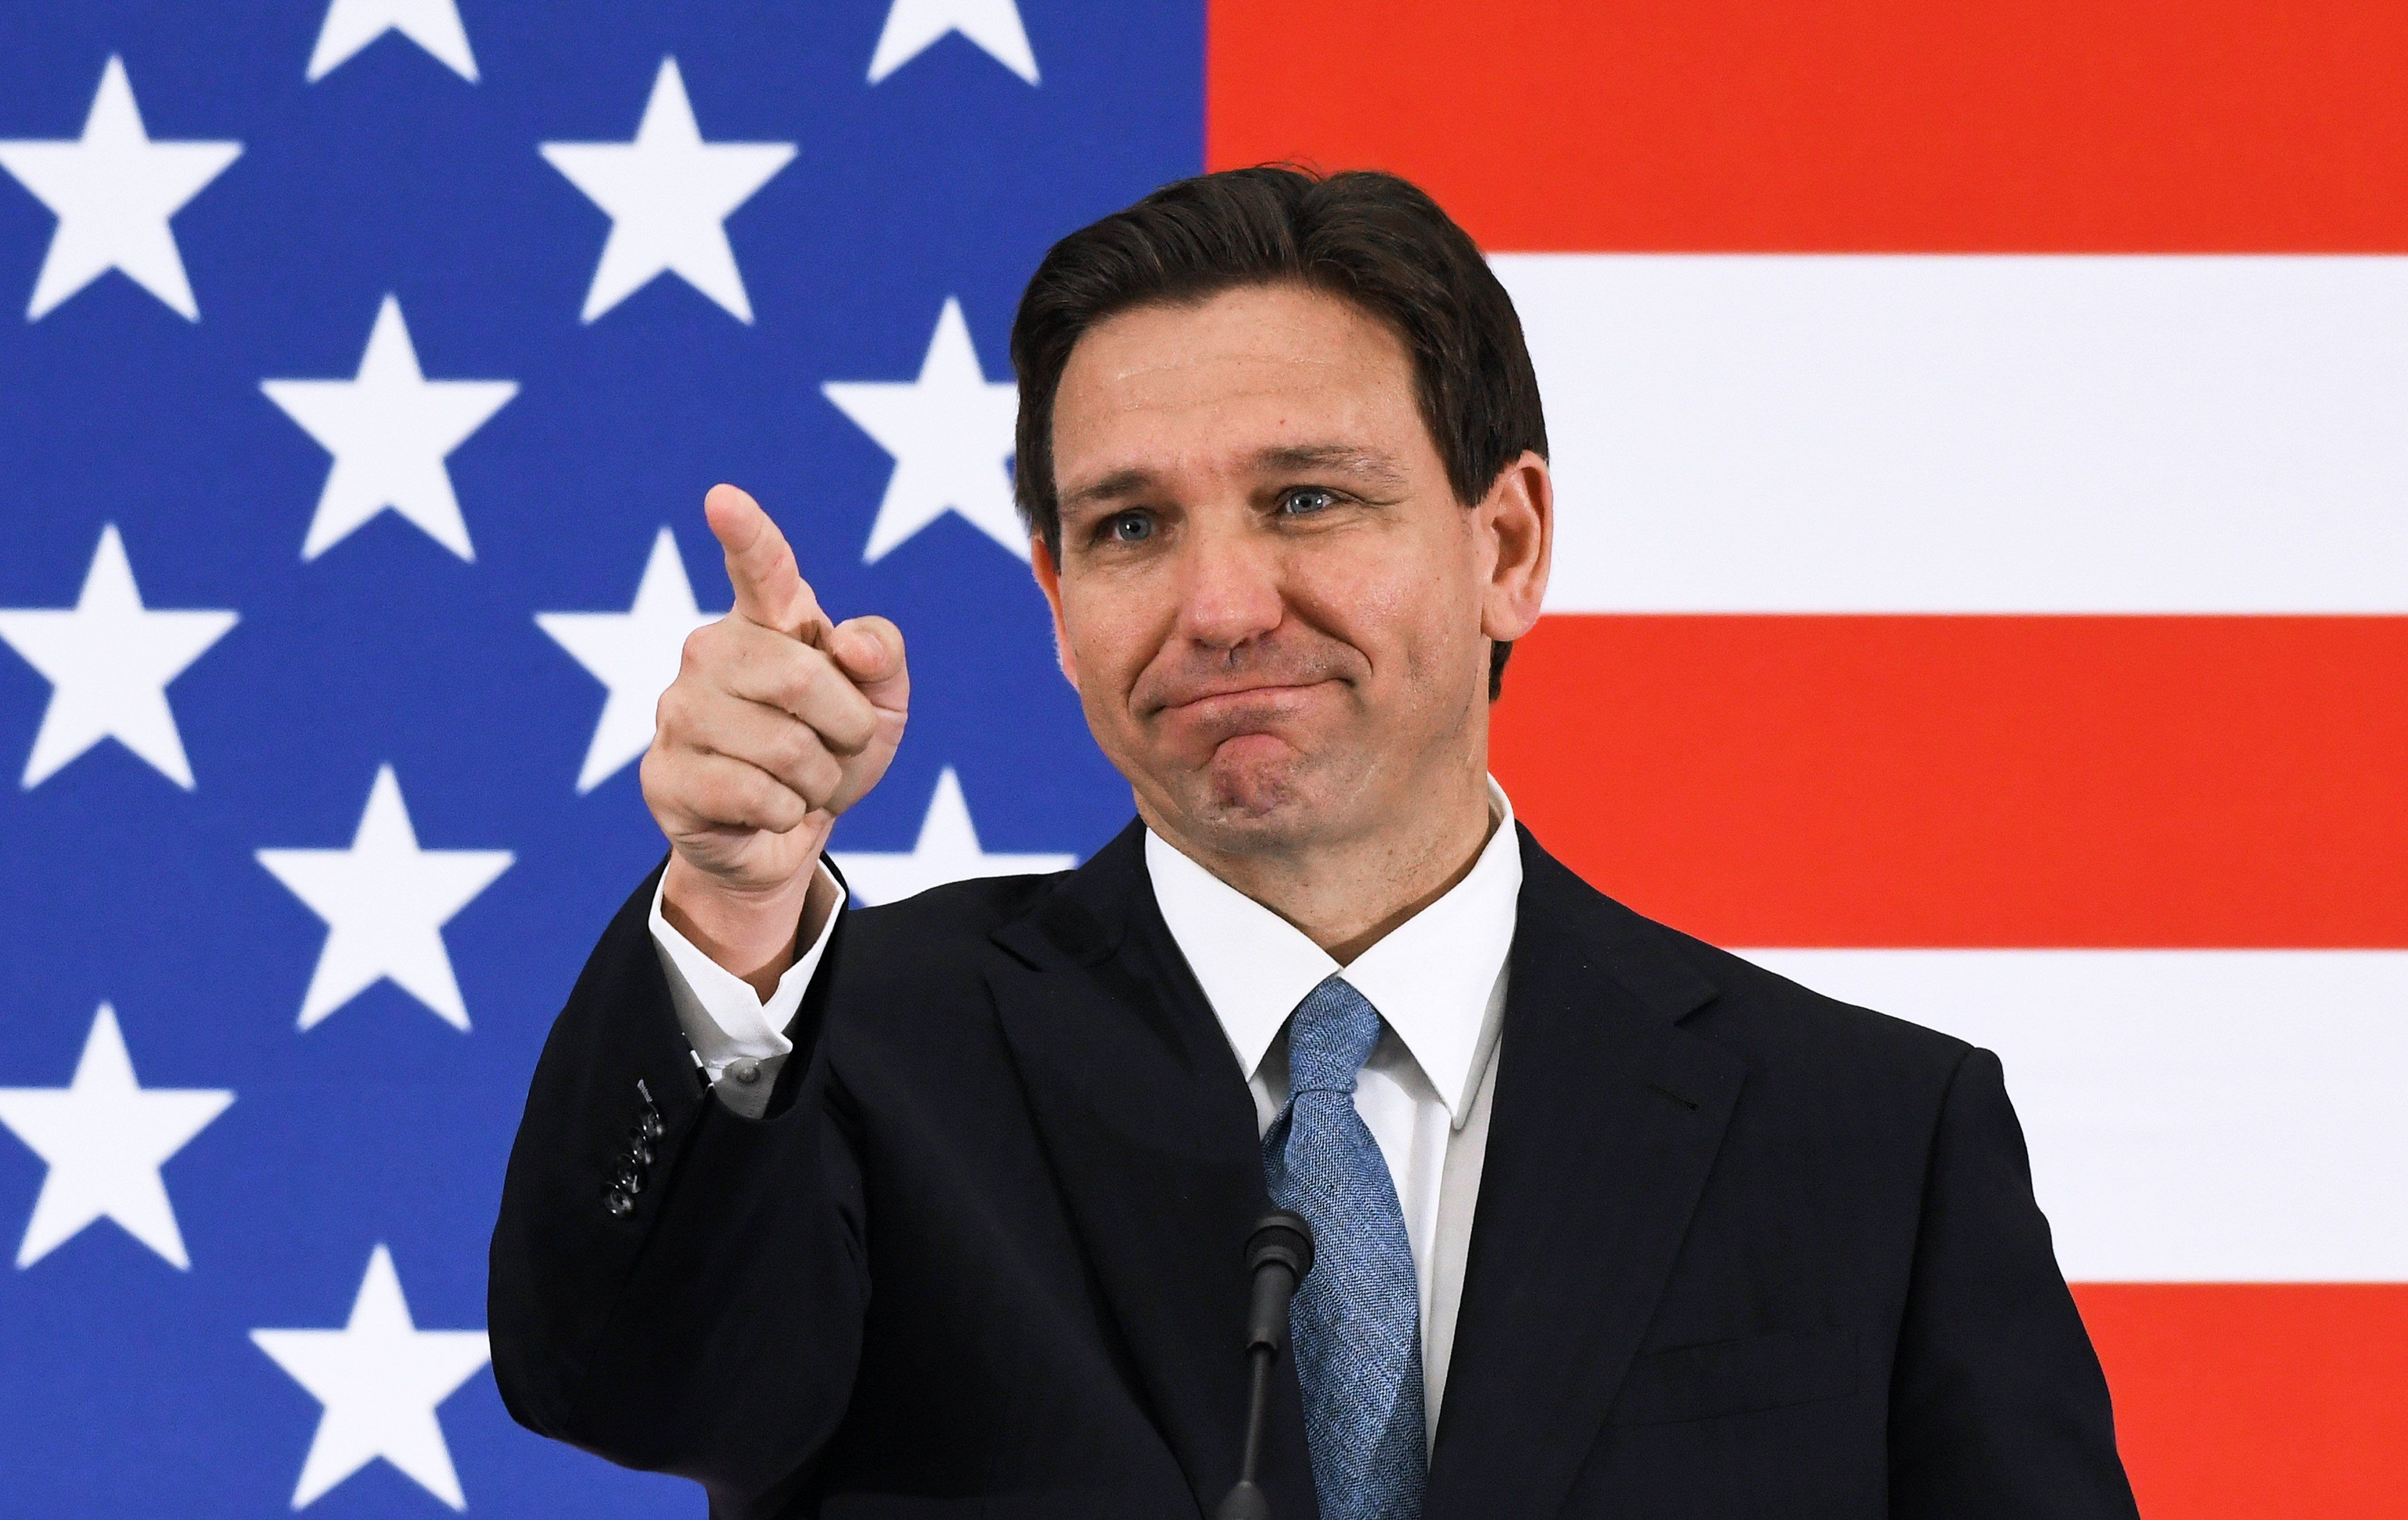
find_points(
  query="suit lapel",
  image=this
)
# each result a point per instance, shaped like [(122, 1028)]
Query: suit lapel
[(1150, 1130), (1605, 1121)]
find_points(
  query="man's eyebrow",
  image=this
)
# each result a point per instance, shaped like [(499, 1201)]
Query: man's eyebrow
[(1130, 480), (1287, 458), (1342, 458)]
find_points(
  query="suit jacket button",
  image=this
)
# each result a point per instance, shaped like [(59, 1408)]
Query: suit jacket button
[(650, 1126), (746, 1071), (619, 1203)]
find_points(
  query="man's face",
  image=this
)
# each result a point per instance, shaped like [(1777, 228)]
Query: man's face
[(1276, 611)]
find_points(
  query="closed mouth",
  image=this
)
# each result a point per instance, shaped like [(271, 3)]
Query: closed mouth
[(1264, 689)]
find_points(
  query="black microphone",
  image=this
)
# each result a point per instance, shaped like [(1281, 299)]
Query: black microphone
[(1278, 1255)]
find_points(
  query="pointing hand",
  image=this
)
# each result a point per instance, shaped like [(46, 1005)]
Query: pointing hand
[(777, 722)]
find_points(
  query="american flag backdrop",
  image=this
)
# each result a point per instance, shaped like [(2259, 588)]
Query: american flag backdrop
[(1981, 444)]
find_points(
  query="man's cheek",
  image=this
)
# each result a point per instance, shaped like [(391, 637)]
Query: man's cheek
[(1104, 684)]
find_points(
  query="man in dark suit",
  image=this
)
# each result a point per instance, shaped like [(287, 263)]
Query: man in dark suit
[(938, 1208)]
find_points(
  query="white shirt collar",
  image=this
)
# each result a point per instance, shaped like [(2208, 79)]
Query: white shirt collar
[(1430, 977)]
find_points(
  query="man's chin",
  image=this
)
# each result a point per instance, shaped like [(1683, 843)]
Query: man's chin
[(1248, 769), (1255, 791)]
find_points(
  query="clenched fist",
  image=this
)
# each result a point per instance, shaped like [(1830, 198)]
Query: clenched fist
[(776, 724)]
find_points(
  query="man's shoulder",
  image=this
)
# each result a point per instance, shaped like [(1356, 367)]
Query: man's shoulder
[(947, 923), (1769, 1019), (947, 930), (908, 979), (1766, 1012)]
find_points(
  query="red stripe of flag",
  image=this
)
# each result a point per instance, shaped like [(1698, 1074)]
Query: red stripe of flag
[(2253, 1401), (1879, 126), (1974, 782)]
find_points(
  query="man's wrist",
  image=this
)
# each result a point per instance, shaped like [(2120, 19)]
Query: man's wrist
[(753, 932)]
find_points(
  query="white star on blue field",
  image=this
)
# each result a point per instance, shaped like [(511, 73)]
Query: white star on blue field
[(366, 362)]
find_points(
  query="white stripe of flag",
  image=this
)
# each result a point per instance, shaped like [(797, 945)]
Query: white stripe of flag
[(1974, 433), (2218, 1115)]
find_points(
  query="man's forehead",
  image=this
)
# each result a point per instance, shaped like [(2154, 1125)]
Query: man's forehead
[(1258, 380), (1253, 338)]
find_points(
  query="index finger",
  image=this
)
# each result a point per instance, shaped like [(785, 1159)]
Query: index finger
[(769, 586)]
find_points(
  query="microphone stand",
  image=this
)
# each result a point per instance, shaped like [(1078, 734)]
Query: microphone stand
[(1278, 1255)]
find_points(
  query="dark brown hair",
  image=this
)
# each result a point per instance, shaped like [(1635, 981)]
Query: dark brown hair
[(1373, 238)]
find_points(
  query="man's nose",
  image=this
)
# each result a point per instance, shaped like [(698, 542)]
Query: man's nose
[(1229, 587)]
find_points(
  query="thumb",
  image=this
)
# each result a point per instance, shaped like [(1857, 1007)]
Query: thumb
[(769, 587), (869, 650)]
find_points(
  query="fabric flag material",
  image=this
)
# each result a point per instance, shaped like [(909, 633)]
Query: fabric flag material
[(363, 366), (1983, 592), (1983, 595)]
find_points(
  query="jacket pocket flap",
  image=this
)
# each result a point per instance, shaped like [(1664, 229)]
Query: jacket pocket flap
[(1737, 1377)]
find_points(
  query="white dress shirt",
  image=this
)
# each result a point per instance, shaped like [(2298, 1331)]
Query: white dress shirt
[(1438, 980), (738, 1038)]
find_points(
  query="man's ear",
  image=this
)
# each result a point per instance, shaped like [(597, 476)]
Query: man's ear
[(1518, 519), (1049, 580)]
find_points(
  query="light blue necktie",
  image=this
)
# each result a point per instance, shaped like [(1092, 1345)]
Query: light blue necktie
[(1357, 1317)]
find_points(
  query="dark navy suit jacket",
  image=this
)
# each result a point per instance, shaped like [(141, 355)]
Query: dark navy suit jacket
[(1740, 1251)]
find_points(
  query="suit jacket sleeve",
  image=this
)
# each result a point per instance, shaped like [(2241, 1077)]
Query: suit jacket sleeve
[(712, 1329), (1998, 1406)]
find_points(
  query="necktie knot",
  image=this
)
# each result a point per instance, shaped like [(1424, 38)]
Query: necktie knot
[(1329, 1037)]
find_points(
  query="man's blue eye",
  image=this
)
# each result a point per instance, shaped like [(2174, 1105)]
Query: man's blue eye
[(1131, 527), (1305, 500)]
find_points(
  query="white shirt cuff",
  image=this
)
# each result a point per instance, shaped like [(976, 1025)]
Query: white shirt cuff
[(731, 1028)]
